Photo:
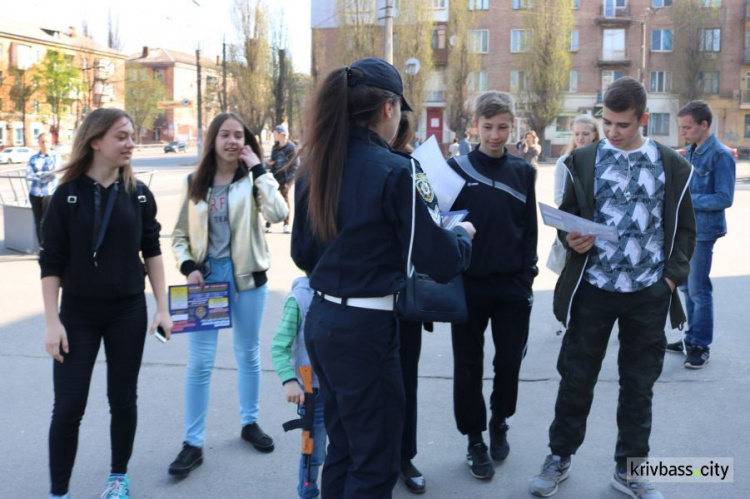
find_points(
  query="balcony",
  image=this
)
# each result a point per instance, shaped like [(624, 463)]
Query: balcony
[(611, 16), (440, 57), (745, 99), (614, 58)]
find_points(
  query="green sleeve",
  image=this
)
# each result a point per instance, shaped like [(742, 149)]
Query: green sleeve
[(281, 346)]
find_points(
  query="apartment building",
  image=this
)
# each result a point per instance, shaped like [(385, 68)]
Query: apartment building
[(178, 72), (611, 39), (23, 44)]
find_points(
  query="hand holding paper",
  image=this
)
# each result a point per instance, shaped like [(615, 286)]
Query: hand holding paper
[(570, 223)]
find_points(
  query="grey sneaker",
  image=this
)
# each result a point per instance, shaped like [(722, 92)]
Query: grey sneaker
[(637, 488), (554, 470), (697, 357)]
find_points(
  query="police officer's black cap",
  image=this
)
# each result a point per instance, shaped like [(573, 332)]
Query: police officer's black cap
[(375, 72)]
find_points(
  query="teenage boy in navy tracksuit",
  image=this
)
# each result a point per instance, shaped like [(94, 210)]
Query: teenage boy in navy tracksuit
[(499, 195)]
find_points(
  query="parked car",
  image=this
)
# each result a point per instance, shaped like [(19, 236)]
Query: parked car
[(176, 146), (16, 155), (733, 150)]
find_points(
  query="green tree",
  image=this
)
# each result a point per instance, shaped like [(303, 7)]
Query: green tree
[(690, 18), (21, 91), (60, 83), (143, 90), (251, 65), (462, 62), (547, 63), (413, 28), (358, 34)]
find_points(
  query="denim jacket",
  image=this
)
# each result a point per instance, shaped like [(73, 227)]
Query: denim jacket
[(712, 187)]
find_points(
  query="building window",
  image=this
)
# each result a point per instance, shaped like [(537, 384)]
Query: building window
[(18, 136), (479, 4), (574, 40), (613, 45), (522, 4), (477, 84), (572, 83), (520, 40), (661, 40), (438, 38), (711, 3), (710, 40), (519, 81), (747, 126), (564, 126), (438, 4), (611, 6), (608, 76), (576, 4), (480, 41), (658, 124), (661, 3), (709, 81), (36, 107), (660, 82)]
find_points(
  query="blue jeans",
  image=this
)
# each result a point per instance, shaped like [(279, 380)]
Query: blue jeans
[(698, 293), (310, 491), (247, 315)]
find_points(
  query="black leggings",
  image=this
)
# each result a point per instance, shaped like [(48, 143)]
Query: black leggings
[(38, 209), (122, 323)]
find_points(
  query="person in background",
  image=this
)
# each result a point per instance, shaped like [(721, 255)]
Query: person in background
[(712, 190), (283, 163), (530, 149), (453, 149), (218, 237), (585, 131), (464, 146), (40, 173), (103, 300)]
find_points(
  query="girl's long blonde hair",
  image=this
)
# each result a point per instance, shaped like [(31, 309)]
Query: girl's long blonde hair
[(584, 119), (94, 127)]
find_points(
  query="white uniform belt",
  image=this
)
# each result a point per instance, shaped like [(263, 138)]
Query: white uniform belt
[(375, 303)]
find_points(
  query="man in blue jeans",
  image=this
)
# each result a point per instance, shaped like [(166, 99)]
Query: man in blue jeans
[(712, 190)]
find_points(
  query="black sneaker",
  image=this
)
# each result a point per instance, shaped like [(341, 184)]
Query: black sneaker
[(679, 346), (189, 458), (479, 462), (499, 448), (253, 434), (697, 357)]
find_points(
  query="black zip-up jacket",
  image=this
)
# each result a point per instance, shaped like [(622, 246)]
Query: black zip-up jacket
[(68, 230), (499, 195)]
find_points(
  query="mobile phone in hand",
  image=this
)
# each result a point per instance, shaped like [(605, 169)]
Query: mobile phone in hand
[(160, 334)]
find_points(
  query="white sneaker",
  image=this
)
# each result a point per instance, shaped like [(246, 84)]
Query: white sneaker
[(268, 229), (287, 230)]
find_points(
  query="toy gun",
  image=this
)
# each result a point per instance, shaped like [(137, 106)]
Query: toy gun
[(306, 420)]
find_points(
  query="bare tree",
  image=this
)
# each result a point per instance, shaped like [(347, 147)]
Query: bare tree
[(282, 70), (547, 63), (23, 88), (113, 32), (358, 34), (413, 29), (142, 93), (462, 62), (691, 42)]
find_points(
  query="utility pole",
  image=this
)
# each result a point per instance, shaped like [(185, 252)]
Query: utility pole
[(224, 102), (199, 142), (389, 31)]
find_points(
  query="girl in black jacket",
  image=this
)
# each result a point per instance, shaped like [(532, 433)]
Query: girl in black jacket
[(99, 223)]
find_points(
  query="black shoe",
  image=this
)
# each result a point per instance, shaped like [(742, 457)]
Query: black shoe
[(189, 458), (253, 434), (697, 357), (499, 448), (413, 478), (679, 347), (479, 462)]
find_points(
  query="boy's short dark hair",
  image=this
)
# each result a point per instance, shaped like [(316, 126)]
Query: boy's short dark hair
[(492, 103), (626, 93), (699, 110)]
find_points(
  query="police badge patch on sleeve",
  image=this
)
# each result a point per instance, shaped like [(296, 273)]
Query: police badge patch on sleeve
[(424, 188)]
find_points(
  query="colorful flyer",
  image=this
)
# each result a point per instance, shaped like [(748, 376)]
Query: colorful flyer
[(451, 218), (196, 309)]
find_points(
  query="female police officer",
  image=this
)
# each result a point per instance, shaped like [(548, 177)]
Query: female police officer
[(351, 233)]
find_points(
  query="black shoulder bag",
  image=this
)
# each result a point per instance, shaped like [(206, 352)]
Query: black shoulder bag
[(423, 299)]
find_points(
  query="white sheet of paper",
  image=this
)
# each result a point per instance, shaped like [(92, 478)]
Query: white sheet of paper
[(570, 223), (446, 183)]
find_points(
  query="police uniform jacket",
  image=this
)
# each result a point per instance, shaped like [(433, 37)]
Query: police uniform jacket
[(368, 256)]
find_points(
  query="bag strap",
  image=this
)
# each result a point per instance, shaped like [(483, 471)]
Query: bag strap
[(409, 266), (105, 219)]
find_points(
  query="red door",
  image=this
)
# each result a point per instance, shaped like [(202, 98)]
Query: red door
[(435, 123)]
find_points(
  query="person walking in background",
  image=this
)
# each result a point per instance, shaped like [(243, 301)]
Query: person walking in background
[(41, 175), (283, 163), (100, 201), (218, 237), (585, 131), (639, 187), (500, 198), (352, 228), (289, 353), (530, 149), (453, 149), (464, 146), (712, 191)]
